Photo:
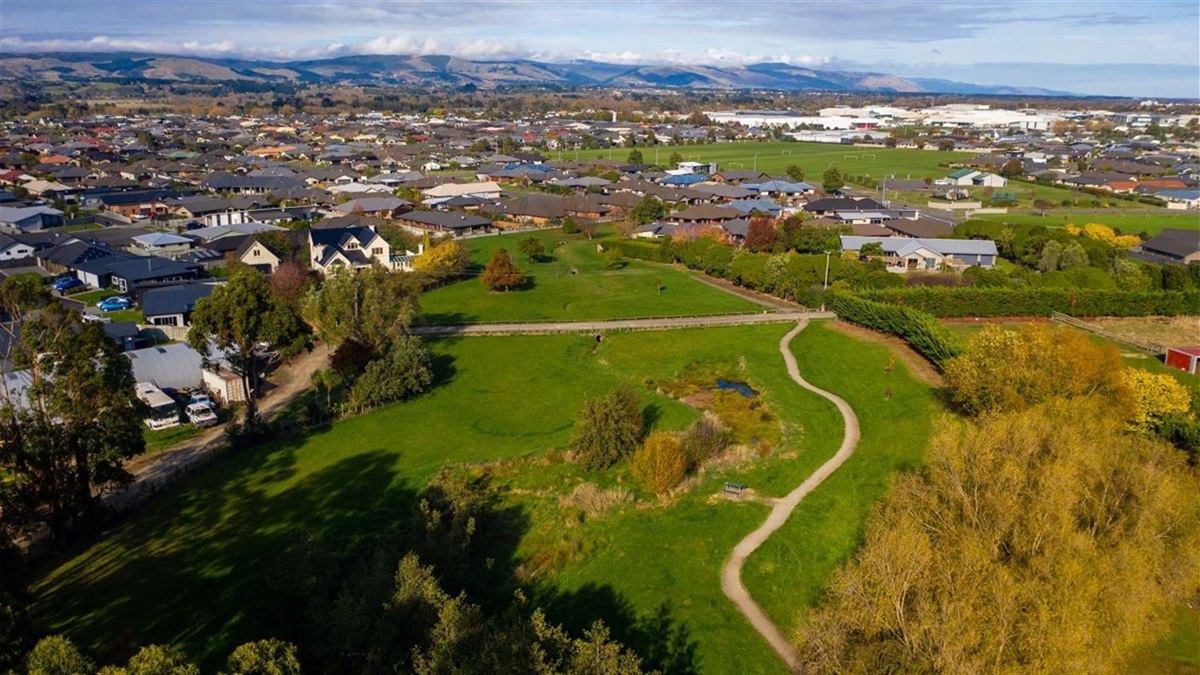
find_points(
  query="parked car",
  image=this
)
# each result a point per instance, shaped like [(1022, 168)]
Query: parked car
[(115, 303), (201, 415), (202, 398), (64, 284), (96, 318)]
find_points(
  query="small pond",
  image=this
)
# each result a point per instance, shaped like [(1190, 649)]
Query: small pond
[(733, 385)]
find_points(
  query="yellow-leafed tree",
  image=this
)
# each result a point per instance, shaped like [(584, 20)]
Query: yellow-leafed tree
[(660, 463), (1155, 396), (446, 260)]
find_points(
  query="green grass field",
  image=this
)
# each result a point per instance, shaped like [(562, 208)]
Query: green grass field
[(165, 438), (1151, 223), (195, 567), (775, 156), (791, 569), (573, 284)]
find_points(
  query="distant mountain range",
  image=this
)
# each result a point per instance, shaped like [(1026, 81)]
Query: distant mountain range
[(451, 71)]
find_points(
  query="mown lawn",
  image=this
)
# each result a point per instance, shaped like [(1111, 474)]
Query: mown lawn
[(196, 567), (571, 283), (773, 157), (1133, 223), (786, 576)]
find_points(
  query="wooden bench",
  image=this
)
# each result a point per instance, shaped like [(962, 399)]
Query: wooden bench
[(734, 489)]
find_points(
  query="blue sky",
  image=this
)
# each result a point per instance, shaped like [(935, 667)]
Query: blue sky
[(1136, 48)]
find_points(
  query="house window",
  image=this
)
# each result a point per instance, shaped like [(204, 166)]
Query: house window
[(257, 252), (378, 250)]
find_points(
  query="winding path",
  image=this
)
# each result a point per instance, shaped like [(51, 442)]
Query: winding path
[(731, 573)]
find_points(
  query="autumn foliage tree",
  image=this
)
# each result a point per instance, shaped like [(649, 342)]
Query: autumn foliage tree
[(1005, 370), (1047, 540), (444, 261), (660, 464), (1156, 397), (501, 272), (761, 235)]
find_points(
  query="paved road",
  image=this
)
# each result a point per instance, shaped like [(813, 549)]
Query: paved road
[(532, 328), (731, 574)]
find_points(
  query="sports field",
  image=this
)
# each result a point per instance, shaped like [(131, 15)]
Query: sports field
[(774, 158)]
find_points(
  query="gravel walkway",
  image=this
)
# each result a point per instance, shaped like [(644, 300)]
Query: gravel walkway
[(731, 574)]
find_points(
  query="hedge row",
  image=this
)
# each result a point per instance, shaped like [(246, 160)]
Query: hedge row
[(920, 330), (986, 302)]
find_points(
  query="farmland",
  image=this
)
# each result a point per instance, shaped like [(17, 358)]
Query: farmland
[(210, 544)]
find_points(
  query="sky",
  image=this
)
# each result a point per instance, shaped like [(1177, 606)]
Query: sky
[(1133, 48)]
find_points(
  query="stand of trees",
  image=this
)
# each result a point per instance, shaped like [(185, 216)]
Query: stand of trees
[(1046, 535)]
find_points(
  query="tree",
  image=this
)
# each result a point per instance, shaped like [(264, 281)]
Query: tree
[(795, 172), (1051, 256), (832, 180), (871, 250), (661, 463), (609, 428), (1005, 370), (1013, 168), (289, 282), (648, 210), (1156, 397), (69, 420), (158, 660), (371, 307), (761, 235), (1048, 540), (279, 243), (889, 142), (235, 319), (447, 260), (532, 248), (403, 372), (613, 259), (264, 657), (1072, 255), (675, 159), (635, 157), (56, 655), (328, 379), (501, 272), (945, 145)]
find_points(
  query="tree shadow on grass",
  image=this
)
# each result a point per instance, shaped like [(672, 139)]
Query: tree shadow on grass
[(192, 568), (663, 643)]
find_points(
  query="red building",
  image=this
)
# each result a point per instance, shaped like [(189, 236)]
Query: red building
[(1183, 358)]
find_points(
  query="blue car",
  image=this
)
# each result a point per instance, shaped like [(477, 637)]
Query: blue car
[(116, 302), (64, 284)]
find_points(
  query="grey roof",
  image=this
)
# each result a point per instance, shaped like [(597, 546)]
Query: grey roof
[(150, 267), (180, 299), (173, 366), (902, 246), (450, 221)]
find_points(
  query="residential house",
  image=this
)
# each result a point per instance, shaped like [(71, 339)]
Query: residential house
[(906, 255), (352, 247), (173, 305), (255, 254), (458, 224), (1173, 245), (132, 276), (161, 244), (29, 218)]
